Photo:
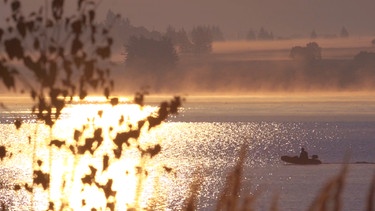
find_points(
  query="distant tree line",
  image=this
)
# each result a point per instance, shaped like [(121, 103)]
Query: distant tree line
[(198, 40), (123, 30), (150, 55), (262, 34), (161, 52), (344, 33)]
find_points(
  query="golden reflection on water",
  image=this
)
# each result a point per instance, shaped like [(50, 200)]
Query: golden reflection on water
[(168, 175), (67, 171), (124, 172)]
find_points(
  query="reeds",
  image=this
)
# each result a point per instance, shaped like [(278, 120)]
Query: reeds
[(329, 197), (371, 195), (230, 199), (191, 202)]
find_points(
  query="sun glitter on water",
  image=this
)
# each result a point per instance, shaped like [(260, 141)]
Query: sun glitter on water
[(79, 112)]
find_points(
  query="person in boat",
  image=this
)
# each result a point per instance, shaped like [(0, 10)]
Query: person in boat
[(303, 155)]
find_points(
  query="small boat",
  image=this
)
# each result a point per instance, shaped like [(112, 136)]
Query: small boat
[(296, 160)]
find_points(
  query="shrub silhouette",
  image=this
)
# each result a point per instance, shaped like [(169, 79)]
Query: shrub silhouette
[(311, 52), (364, 58), (344, 32)]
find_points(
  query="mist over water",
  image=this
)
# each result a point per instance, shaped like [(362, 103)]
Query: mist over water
[(248, 67)]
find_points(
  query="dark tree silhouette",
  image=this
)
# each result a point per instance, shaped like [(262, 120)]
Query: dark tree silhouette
[(313, 35), (265, 35), (251, 35), (200, 41), (364, 58), (122, 29), (202, 38), (179, 39), (344, 33), (149, 54), (217, 34), (311, 52)]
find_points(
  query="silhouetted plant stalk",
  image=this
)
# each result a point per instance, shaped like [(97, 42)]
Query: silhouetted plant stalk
[(329, 197), (371, 195), (230, 197), (231, 192), (191, 202)]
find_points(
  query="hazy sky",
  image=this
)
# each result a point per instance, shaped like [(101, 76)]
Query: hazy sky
[(282, 17)]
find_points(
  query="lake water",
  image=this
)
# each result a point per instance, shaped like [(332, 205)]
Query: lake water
[(204, 142)]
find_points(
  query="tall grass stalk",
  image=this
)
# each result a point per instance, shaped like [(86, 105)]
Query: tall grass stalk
[(371, 195)]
